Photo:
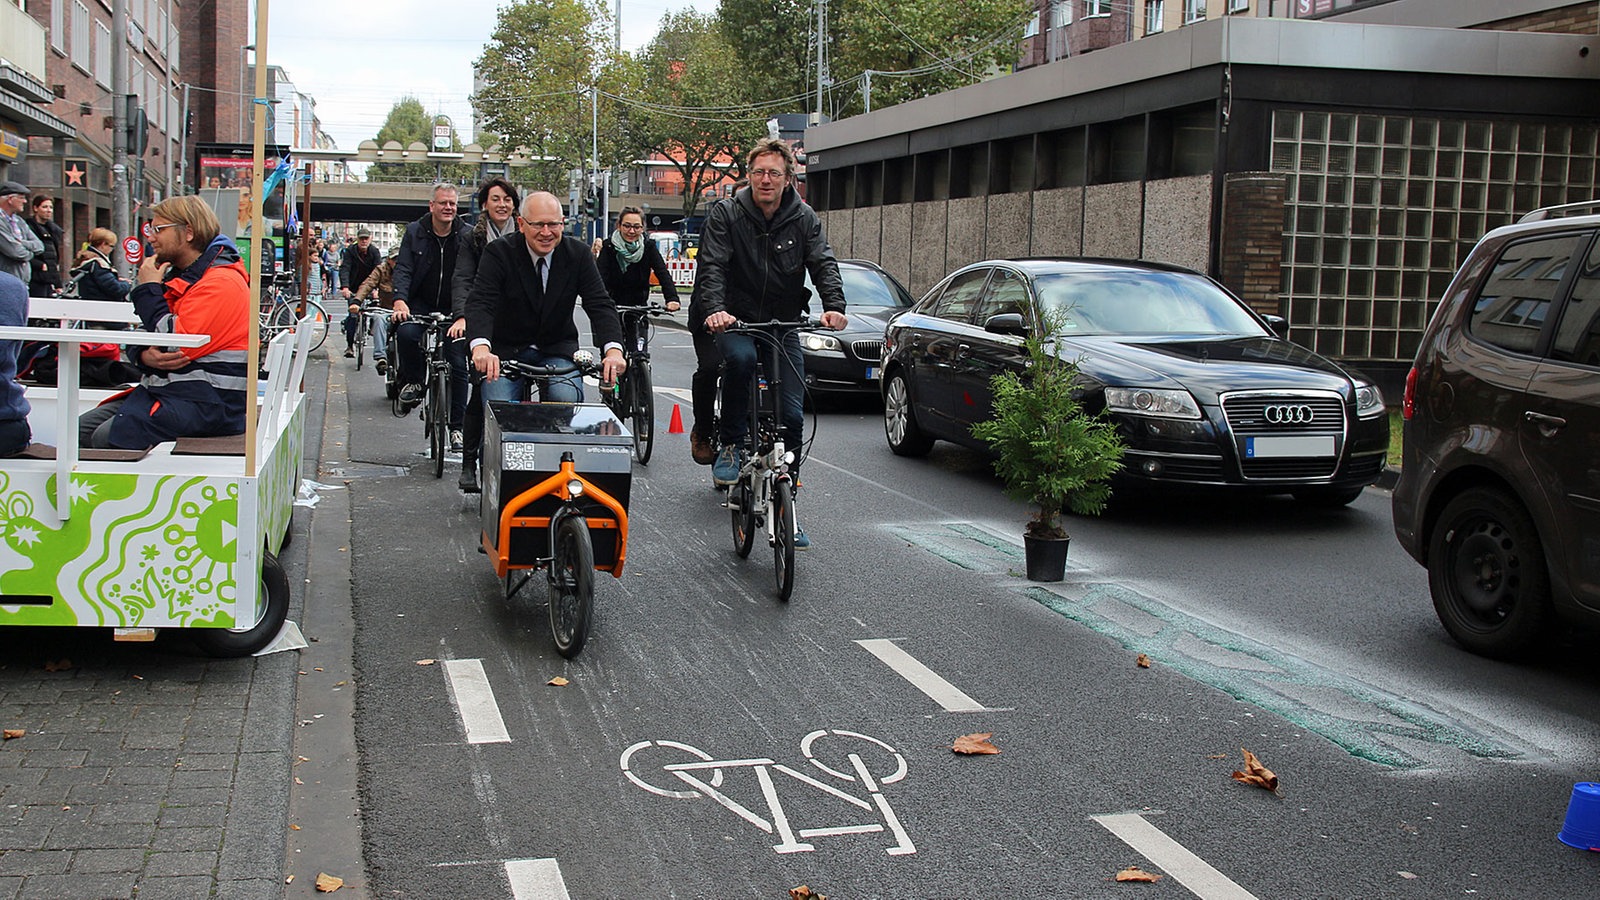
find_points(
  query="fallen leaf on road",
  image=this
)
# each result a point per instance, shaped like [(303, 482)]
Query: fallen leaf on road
[(138, 678), (804, 893), (1134, 873), (1407, 875), (294, 827), (1143, 661), (558, 681), (289, 880), (11, 733), (1218, 756), (426, 662), (60, 665), (328, 883), (975, 744), (297, 780), (1255, 773)]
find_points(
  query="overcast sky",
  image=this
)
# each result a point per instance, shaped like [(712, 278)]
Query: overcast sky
[(357, 57)]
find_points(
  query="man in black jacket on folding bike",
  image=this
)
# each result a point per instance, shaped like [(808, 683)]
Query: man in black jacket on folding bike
[(754, 255)]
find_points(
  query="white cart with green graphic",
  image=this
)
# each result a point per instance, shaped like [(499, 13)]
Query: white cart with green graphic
[(185, 535)]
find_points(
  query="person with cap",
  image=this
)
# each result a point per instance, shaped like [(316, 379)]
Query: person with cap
[(360, 260), (46, 265), (18, 244)]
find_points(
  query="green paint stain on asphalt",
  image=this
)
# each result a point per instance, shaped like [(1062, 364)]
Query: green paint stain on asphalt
[(954, 543), (1278, 683)]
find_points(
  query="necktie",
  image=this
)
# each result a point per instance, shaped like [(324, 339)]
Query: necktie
[(539, 268)]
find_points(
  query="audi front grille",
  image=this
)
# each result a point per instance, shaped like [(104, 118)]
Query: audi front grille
[(1256, 415)]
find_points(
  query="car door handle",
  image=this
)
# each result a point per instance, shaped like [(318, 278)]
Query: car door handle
[(963, 351), (1548, 425)]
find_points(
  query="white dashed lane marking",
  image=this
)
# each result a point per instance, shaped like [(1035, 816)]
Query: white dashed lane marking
[(1173, 858), (474, 700), (921, 677), (535, 879)]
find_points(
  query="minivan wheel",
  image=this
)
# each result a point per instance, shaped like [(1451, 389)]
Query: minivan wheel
[(1487, 573)]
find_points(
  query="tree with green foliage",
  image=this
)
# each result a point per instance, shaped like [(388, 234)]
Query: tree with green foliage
[(685, 102), (919, 47), (538, 69), (409, 121)]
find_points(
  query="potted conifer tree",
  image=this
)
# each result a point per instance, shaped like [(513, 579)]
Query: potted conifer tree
[(1050, 451)]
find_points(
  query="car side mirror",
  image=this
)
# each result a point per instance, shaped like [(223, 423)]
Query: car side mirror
[(1278, 324), (1007, 323)]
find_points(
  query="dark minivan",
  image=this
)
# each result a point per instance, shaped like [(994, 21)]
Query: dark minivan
[(1499, 492)]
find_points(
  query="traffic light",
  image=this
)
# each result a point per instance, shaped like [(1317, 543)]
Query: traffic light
[(591, 203), (138, 127)]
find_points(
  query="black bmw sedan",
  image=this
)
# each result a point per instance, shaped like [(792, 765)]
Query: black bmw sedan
[(1204, 391), (850, 361)]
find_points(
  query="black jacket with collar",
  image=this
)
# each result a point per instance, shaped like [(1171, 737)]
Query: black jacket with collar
[(509, 310), (356, 267), (755, 270), (418, 262)]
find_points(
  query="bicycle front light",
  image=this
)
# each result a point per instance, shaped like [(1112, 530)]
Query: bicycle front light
[(575, 488)]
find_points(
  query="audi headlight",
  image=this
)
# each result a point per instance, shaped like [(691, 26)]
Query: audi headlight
[(1151, 402), (1369, 400), (820, 343)]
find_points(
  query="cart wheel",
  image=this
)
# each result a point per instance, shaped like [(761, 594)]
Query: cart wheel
[(783, 539), (741, 510), (272, 602), (571, 586)]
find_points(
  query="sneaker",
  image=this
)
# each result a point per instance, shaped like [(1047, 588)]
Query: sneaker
[(701, 449), (469, 476), (455, 440), (725, 470), (801, 542), (383, 366), (349, 353), (410, 396)]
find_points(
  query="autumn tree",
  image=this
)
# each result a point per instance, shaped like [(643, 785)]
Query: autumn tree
[(685, 102), (409, 121), (537, 71)]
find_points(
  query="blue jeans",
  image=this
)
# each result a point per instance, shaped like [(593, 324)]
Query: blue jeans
[(738, 361), (563, 389)]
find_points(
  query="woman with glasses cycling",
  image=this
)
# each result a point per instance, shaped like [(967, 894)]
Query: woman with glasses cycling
[(626, 262)]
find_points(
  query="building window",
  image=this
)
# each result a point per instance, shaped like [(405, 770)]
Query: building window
[(1032, 28), (1096, 8), (1060, 13), (82, 57), (1194, 11), (58, 27), (1153, 14), (102, 54), (1235, 6)]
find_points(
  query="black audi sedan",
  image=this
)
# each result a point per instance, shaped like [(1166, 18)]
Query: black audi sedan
[(850, 361), (1204, 391)]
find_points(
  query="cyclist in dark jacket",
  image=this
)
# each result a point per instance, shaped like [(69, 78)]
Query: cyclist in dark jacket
[(422, 285), (497, 205), (754, 256), (626, 261)]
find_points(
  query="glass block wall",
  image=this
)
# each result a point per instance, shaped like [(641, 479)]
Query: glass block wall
[(1381, 209)]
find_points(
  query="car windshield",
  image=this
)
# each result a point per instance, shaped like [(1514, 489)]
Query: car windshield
[(1143, 303), (865, 291)]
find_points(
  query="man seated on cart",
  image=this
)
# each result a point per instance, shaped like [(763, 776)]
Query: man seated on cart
[(193, 282), (523, 299)]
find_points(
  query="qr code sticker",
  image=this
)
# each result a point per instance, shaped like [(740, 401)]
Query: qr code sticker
[(518, 456)]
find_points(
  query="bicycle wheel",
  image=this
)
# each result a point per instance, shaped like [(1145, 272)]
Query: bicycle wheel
[(742, 512), (783, 538), (439, 419), (644, 409), (571, 586), (319, 323), (361, 341)]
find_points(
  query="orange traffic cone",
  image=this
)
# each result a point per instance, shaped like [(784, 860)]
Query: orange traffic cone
[(676, 425)]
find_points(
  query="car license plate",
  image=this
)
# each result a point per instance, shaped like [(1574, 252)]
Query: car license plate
[(874, 373), (1276, 447)]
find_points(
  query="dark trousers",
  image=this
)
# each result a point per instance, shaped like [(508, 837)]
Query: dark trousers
[(703, 384), (739, 354), (408, 340), (472, 424), (14, 437)]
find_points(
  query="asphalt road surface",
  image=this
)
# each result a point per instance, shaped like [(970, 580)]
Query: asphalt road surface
[(713, 741)]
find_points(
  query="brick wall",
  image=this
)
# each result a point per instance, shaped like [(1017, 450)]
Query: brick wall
[(212, 34), (1577, 18), (1252, 239)]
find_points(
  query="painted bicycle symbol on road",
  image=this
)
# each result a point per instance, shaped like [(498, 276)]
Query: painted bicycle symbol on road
[(683, 772)]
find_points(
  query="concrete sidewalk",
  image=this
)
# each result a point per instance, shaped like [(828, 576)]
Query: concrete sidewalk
[(147, 770)]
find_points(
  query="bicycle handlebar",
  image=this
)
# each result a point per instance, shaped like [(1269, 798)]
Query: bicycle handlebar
[(514, 368), (773, 325), (654, 309)]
